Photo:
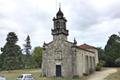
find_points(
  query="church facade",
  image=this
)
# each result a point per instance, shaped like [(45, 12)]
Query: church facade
[(62, 58)]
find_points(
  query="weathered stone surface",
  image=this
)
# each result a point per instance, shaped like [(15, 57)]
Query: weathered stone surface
[(74, 61)]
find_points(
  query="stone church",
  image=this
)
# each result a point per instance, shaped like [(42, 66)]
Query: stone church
[(62, 58)]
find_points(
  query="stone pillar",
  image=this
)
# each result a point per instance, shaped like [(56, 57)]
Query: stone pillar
[(91, 69), (94, 64), (74, 67), (86, 65), (89, 63), (43, 64)]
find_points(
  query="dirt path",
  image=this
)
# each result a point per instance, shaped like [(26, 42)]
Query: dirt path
[(102, 74)]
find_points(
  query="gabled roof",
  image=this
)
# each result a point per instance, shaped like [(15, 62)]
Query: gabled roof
[(86, 46)]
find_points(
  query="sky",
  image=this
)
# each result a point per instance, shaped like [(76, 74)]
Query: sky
[(89, 21)]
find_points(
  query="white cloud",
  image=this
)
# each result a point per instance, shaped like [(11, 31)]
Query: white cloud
[(90, 21)]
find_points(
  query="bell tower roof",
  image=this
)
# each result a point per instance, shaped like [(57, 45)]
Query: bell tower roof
[(60, 13)]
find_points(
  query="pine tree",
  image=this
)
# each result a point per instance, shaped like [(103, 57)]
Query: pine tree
[(27, 45), (28, 60), (11, 53)]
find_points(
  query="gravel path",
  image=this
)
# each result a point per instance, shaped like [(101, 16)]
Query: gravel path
[(102, 74)]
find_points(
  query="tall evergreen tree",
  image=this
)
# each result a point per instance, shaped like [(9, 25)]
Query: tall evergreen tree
[(112, 50), (11, 53), (28, 60), (27, 45)]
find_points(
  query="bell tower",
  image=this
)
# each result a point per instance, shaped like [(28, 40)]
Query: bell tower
[(59, 22)]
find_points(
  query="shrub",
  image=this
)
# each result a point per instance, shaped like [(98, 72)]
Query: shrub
[(100, 65), (117, 61), (76, 77)]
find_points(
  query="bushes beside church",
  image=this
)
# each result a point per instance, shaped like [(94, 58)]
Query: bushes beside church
[(117, 61), (100, 65)]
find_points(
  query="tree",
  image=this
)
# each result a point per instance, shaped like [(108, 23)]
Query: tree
[(101, 54), (11, 53), (37, 55), (112, 50), (28, 60), (0, 62), (27, 45), (117, 61)]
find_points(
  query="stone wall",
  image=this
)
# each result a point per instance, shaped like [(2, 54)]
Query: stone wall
[(96, 55), (58, 52), (74, 61), (84, 62)]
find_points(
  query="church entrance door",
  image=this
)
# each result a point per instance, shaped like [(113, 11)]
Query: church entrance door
[(58, 70)]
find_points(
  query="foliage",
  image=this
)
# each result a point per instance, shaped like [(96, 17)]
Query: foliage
[(11, 53), (12, 38), (102, 58), (117, 61), (27, 45), (100, 65), (29, 62), (112, 50), (1, 62), (76, 77), (37, 55), (101, 54), (27, 58)]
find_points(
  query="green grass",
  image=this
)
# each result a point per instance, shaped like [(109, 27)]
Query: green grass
[(12, 75), (114, 76)]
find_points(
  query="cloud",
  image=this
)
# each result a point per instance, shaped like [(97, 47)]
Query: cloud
[(95, 20), (90, 21)]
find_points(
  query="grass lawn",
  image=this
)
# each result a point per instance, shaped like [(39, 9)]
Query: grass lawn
[(12, 75), (114, 76)]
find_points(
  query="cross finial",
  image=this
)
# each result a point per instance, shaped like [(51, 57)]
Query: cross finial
[(59, 5)]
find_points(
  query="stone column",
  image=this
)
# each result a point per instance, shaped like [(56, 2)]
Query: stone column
[(86, 65), (89, 63), (91, 68), (93, 63)]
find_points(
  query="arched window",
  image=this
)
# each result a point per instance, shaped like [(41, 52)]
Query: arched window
[(57, 24)]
